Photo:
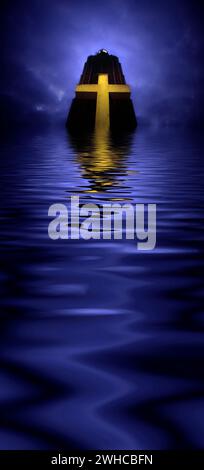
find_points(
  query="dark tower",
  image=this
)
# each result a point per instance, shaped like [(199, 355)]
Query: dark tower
[(102, 96), (102, 62)]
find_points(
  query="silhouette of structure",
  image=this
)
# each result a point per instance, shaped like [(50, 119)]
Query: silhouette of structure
[(102, 99)]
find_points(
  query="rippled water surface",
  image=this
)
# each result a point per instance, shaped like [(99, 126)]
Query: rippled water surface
[(102, 344)]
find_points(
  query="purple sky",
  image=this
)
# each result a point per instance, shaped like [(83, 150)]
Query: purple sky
[(160, 46)]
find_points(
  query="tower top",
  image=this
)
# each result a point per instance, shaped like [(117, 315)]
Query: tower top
[(102, 51), (102, 63)]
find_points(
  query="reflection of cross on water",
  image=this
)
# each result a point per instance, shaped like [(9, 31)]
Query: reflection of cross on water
[(102, 90), (102, 159)]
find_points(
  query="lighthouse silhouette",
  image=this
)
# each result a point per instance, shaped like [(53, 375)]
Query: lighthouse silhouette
[(102, 97)]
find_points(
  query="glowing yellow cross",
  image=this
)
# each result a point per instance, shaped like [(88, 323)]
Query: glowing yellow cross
[(102, 90)]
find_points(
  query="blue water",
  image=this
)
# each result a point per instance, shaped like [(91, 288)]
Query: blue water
[(102, 344)]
